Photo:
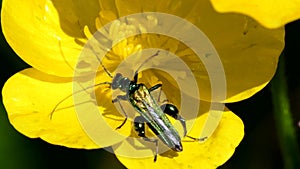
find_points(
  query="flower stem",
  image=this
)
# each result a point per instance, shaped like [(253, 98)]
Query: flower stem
[(283, 118)]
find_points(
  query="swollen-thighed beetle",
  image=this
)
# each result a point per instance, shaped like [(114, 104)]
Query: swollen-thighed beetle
[(151, 113)]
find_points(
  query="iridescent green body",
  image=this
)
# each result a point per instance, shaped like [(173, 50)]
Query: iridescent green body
[(141, 99), (153, 115)]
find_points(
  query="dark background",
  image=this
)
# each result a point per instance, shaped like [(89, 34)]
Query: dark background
[(259, 148)]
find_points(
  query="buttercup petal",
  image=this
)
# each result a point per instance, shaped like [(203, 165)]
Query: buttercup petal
[(248, 51), (245, 48), (242, 43), (271, 14), (30, 96), (209, 154), (48, 35)]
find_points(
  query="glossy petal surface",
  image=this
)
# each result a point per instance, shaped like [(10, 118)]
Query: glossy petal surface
[(31, 102), (209, 154), (270, 13), (57, 36)]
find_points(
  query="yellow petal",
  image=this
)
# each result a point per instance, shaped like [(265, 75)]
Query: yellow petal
[(249, 63), (212, 153), (48, 35), (248, 51), (30, 96), (56, 33), (270, 13)]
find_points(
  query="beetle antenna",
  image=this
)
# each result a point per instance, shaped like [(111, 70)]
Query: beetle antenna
[(151, 57), (68, 96), (104, 68)]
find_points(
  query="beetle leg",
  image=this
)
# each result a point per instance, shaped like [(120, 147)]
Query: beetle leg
[(197, 139), (117, 99), (139, 127), (172, 111), (156, 87)]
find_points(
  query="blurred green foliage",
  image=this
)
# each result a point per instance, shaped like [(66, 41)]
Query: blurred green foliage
[(259, 148)]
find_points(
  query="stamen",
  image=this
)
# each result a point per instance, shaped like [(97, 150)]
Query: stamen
[(87, 32)]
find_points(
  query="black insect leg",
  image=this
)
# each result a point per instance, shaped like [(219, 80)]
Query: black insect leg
[(139, 127), (197, 139), (117, 99), (172, 111), (156, 87)]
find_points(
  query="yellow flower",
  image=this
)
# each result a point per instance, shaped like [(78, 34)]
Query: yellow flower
[(50, 36), (270, 13)]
